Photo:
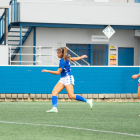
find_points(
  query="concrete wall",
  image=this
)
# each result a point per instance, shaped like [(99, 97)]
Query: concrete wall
[(59, 37), (1, 11), (64, 97), (3, 55), (4, 4), (125, 38), (80, 12)]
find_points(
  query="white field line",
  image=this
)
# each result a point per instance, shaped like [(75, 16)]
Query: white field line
[(45, 103), (76, 128), (62, 103)]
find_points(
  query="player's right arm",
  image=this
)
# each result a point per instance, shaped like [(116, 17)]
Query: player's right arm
[(78, 58), (53, 72), (136, 76)]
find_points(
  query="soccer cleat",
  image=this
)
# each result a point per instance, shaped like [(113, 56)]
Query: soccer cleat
[(53, 110), (90, 102)]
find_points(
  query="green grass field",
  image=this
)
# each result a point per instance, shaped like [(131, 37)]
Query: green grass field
[(74, 121)]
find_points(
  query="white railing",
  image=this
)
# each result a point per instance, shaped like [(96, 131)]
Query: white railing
[(55, 56), (44, 56), (25, 53)]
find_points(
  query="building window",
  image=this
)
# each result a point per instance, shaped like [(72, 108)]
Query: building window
[(100, 55), (97, 54)]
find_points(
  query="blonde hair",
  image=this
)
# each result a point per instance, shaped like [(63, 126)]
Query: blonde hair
[(64, 53)]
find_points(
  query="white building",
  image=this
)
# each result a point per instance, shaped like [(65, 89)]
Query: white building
[(74, 23)]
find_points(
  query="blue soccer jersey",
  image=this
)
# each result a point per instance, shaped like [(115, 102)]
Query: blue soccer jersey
[(65, 66)]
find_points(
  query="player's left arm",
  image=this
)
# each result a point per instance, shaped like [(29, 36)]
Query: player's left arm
[(53, 72), (78, 58), (136, 76)]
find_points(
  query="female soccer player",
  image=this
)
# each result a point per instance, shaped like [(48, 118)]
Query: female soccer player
[(134, 77), (66, 80)]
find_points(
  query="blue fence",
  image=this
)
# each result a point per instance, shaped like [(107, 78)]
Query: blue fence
[(98, 80)]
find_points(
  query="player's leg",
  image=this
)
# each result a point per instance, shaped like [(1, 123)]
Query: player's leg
[(139, 91), (70, 91), (58, 88), (69, 82)]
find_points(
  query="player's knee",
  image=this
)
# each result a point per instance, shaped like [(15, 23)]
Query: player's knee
[(139, 95), (72, 96), (54, 93)]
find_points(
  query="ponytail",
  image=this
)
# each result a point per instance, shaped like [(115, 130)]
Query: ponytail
[(65, 56), (64, 53)]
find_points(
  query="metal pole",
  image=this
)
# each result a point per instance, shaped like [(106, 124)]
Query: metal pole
[(0, 29), (34, 57), (15, 10), (20, 44), (12, 11), (8, 16), (6, 27), (2, 25)]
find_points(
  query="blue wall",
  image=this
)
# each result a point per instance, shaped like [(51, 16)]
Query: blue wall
[(137, 1), (30, 79)]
